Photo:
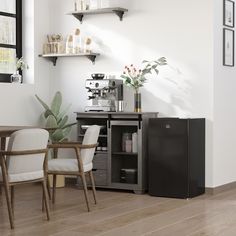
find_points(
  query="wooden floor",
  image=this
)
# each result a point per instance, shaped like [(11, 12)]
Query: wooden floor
[(120, 214)]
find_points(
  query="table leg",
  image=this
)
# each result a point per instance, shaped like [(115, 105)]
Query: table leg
[(3, 143), (3, 147)]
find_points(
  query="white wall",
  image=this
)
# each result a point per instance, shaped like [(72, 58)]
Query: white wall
[(180, 30), (17, 102), (224, 108)]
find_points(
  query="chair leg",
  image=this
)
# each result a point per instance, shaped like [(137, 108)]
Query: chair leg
[(2, 147), (93, 186), (43, 200), (48, 187), (46, 200), (7, 193), (85, 189), (12, 199), (49, 193), (54, 188), (9, 206)]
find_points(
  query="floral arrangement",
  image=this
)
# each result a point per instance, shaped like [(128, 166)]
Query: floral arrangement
[(21, 64), (135, 78)]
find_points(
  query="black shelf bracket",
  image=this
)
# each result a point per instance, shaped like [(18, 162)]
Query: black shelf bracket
[(119, 13), (53, 60), (92, 58), (79, 17)]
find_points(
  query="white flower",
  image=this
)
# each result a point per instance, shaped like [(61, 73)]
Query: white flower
[(21, 64)]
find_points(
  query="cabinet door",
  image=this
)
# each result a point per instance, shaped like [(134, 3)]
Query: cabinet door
[(100, 160), (125, 165), (168, 158)]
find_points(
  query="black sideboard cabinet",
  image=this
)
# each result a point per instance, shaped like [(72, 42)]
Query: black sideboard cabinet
[(176, 161)]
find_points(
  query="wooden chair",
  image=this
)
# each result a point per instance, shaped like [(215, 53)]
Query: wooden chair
[(22, 163), (80, 166)]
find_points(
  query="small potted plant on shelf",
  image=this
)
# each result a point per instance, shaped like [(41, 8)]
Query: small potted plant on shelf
[(135, 78), (20, 66)]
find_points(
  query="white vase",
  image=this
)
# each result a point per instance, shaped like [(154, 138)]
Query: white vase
[(16, 77)]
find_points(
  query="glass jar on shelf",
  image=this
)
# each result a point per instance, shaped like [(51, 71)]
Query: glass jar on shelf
[(127, 142), (87, 45), (69, 44)]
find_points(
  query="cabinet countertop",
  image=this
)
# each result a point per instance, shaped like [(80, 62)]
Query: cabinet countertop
[(117, 113)]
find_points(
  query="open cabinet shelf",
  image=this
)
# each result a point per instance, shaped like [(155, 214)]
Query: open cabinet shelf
[(53, 57), (125, 153), (116, 10)]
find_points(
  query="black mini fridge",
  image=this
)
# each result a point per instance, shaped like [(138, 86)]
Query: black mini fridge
[(176, 159)]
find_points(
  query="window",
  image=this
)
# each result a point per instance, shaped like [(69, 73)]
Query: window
[(10, 37)]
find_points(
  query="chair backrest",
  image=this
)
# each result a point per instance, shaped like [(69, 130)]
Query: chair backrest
[(90, 137), (27, 139)]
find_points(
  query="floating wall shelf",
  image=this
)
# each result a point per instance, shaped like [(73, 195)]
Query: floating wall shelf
[(53, 57), (116, 10)]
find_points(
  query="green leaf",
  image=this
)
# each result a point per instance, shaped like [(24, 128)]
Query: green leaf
[(162, 61), (59, 117), (128, 80), (143, 79), (56, 103), (51, 122), (63, 122), (124, 76), (46, 107), (145, 61), (69, 125), (157, 71), (146, 71), (57, 135), (64, 140), (128, 84), (48, 113), (66, 131)]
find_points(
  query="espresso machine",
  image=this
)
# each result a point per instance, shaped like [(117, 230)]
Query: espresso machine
[(104, 95)]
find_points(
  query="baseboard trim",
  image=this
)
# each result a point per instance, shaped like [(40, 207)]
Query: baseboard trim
[(211, 191), (70, 181), (220, 189)]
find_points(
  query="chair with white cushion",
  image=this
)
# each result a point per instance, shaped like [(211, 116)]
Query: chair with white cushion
[(79, 166), (22, 163)]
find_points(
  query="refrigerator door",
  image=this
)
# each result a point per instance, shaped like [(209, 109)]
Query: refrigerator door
[(168, 158)]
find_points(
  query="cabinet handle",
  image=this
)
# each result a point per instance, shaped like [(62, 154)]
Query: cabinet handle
[(167, 126)]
